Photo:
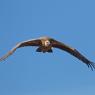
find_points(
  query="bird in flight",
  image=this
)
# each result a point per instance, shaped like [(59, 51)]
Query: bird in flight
[(45, 44)]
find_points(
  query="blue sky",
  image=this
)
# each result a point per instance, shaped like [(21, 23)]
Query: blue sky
[(29, 73)]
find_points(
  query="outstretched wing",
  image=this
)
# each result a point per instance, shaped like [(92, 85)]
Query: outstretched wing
[(73, 52), (22, 44)]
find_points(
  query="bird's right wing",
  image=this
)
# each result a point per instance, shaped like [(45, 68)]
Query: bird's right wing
[(22, 44), (73, 52)]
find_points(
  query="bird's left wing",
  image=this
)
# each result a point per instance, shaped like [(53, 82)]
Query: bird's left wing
[(73, 52), (22, 44)]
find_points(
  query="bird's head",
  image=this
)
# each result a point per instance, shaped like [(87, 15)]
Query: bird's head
[(47, 43)]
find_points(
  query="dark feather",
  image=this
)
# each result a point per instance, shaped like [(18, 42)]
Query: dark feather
[(21, 44), (73, 52)]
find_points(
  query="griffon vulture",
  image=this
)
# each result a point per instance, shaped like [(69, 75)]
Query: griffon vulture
[(45, 44)]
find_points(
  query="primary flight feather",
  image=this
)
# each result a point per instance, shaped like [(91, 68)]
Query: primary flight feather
[(45, 44)]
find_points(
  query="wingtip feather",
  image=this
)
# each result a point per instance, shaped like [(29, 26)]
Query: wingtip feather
[(91, 65)]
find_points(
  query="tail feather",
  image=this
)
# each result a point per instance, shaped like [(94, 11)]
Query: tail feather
[(50, 51), (38, 49)]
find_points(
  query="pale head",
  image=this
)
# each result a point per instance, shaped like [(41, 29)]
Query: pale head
[(47, 43)]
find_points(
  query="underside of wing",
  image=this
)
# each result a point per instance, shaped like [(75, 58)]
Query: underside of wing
[(73, 52), (21, 44)]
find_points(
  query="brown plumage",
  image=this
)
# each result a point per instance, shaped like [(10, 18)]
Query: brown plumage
[(45, 44)]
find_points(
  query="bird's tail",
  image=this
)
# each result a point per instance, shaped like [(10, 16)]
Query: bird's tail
[(50, 51), (39, 49)]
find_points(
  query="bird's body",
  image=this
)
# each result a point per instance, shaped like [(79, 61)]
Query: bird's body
[(44, 49), (45, 44)]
